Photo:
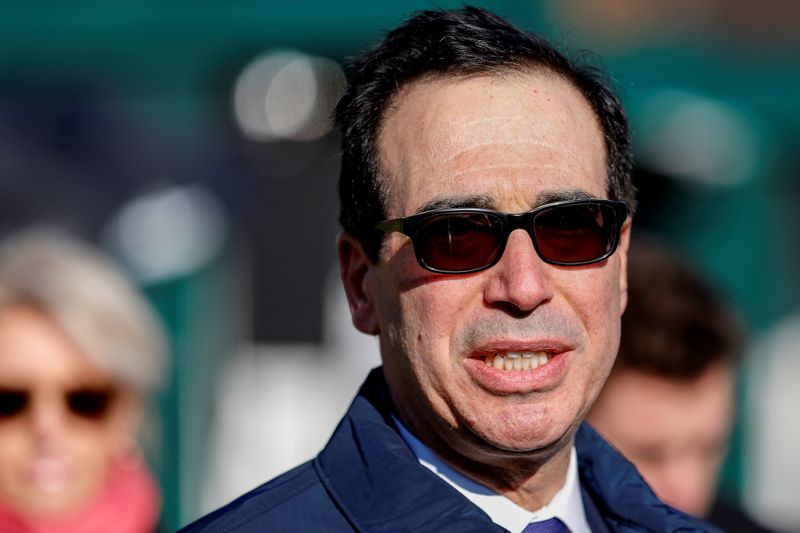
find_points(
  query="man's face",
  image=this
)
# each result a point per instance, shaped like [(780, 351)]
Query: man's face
[(675, 432), (51, 459), (506, 143)]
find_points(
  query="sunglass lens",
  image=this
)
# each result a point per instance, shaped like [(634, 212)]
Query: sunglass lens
[(12, 402), (454, 242), (574, 234), (89, 403)]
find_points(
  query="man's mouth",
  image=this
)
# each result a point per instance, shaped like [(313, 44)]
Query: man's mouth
[(516, 360)]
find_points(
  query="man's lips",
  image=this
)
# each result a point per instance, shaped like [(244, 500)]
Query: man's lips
[(552, 346), (519, 367)]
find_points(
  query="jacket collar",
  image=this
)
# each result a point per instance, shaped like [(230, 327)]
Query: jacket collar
[(376, 480)]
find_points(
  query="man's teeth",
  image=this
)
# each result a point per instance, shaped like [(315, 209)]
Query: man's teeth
[(516, 360)]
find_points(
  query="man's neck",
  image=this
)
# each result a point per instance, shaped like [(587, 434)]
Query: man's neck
[(567, 505), (529, 479)]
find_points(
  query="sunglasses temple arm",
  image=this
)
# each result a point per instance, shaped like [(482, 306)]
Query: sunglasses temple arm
[(388, 226)]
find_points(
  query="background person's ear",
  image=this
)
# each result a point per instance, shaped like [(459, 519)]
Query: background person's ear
[(355, 268), (125, 423)]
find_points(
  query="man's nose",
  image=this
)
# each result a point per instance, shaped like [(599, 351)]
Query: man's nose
[(520, 278)]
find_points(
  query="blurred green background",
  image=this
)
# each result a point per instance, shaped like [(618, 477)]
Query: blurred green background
[(107, 106)]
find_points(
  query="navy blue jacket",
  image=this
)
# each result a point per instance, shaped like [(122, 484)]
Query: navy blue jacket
[(367, 479)]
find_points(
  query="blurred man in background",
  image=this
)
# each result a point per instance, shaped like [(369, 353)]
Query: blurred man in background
[(669, 403)]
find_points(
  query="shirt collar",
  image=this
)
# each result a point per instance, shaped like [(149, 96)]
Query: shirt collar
[(566, 505)]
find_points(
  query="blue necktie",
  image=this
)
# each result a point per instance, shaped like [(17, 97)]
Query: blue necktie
[(553, 525)]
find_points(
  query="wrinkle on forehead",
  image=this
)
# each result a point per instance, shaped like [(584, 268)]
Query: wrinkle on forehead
[(506, 131)]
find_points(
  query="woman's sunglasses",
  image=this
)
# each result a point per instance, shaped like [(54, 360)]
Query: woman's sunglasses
[(86, 403), (460, 241)]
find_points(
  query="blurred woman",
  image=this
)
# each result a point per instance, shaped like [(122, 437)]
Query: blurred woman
[(80, 351)]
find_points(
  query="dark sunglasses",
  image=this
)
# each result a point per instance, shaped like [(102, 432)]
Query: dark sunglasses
[(86, 403), (460, 241)]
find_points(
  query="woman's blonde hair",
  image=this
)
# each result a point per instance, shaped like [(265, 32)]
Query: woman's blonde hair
[(87, 295)]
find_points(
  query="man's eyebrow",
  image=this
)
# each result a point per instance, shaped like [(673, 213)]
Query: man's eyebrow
[(457, 202), (487, 202), (561, 195)]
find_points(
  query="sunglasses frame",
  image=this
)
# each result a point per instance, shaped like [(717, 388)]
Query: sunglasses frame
[(510, 221)]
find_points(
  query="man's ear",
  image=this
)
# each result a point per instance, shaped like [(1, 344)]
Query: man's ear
[(622, 250), (356, 268)]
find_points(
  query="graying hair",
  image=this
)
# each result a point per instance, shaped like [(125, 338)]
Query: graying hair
[(87, 295)]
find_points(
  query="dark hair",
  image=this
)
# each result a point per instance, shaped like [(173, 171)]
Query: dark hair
[(676, 324), (452, 43)]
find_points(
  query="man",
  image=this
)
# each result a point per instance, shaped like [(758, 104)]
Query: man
[(669, 401), (459, 130)]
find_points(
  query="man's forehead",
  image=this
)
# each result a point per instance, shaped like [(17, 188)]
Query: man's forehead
[(508, 109), (478, 135)]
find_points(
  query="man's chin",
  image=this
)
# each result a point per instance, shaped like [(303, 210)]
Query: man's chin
[(530, 446), (517, 432)]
